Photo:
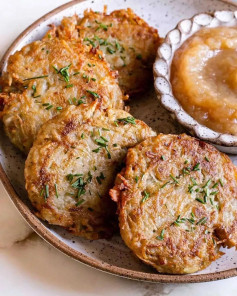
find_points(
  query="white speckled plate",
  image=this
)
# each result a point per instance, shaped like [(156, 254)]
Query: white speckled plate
[(111, 255)]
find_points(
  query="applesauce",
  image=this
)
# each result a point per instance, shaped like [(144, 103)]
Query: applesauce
[(204, 78)]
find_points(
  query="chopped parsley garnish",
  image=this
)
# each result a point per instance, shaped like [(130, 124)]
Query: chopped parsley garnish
[(102, 143), (117, 45), (207, 159), (196, 167), (200, 200), (136, 179), (202, 221), (49, 107), (102, 26), (91, 42), (207, 183), (146, 195), (64, 72), (80, 202), (69, 85), (36, 77), (79, 183), (100, 178), (174, 179), (179, 220), (71, 176), (115, 145), (89, 179), (82, 136), (186, 171), (79, 102), (162, 157), (110, 50), (127, 120), (59, 108), (165, 184), (34, 90), (46, 192), (161, 236), (94, 94), (86, 77)]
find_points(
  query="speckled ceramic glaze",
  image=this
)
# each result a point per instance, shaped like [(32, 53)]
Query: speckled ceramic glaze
[(111, 255), (174, 39)]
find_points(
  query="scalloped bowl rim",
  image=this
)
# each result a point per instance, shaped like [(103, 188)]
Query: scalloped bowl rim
[(161, 70)]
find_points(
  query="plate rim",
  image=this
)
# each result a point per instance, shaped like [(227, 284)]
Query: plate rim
[(44, 233)]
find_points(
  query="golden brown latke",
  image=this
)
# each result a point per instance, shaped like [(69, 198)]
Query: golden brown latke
[(128, 42), (177, 203), (73, 164), (46, 76)]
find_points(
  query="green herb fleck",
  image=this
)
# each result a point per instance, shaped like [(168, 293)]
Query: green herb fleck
[(179, 220), (165, 184), (64, 72), (49, 107), (200, 200), (36, 77), (174, 179), (69, 85), (46, 192), (161, 236), (94, 94), (110, 50), (89, 179), (80, 202), (146, 195), (207, 183), (196, 167), (202, 221), (127, 120)]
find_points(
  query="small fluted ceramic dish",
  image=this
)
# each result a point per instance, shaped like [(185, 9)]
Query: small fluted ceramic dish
[(174, 39), (112, 255)]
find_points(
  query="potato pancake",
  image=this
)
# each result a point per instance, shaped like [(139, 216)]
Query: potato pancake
[(128, 42), (46, 76), (73, 164), (177, 203)]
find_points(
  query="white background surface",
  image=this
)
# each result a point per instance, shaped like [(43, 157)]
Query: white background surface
[(32, 267)]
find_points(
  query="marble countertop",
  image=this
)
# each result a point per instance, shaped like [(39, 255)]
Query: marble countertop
[(30, 266)]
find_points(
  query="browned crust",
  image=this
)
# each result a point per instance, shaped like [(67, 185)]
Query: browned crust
[(137, 39), (171, 254)]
